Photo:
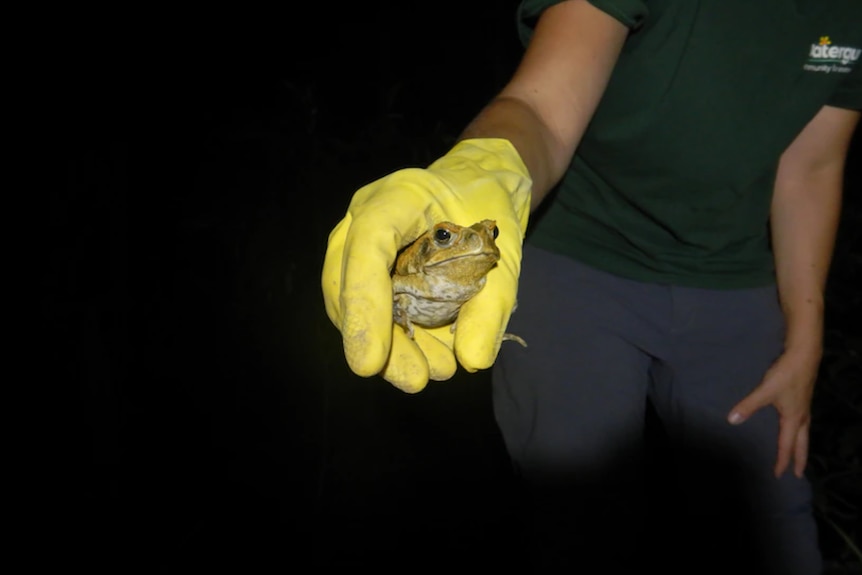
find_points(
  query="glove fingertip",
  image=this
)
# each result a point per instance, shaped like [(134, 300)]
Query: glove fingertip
[(365, 348), (407, 368), (407, 385), (363, 361), (481, 325), (476, 352)]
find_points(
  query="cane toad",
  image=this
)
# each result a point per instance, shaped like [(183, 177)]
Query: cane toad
[(441, 270)]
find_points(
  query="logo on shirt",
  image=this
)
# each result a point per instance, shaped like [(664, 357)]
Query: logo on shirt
[(827, 58)]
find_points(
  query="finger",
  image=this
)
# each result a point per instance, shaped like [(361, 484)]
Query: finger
[(330, 277), (437, 344), (786, 444), (365, 351), (477, 342), (366, 299), (483, 320), (800, 456), (751, 403), (407, 369)]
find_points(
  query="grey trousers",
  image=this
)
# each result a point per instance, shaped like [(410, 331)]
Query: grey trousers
[(571, 408)]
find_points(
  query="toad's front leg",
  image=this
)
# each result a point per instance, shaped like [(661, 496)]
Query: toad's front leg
[(399, 313)]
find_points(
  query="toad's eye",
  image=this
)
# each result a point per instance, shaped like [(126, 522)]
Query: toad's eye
[(442, 236), (496, 232)]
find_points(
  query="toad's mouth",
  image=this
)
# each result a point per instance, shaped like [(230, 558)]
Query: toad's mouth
[(485, 255)]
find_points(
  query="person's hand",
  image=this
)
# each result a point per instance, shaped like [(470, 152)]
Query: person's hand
[(788, 386), (478, 179)]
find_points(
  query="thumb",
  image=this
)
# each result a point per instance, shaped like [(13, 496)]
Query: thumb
[(751, 403), (483, 320), (481, 323)]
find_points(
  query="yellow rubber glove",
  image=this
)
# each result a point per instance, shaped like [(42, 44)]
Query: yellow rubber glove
[(478, 179)]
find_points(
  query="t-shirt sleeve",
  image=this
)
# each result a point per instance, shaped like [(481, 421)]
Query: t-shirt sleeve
[(849, 93), (632, 13)]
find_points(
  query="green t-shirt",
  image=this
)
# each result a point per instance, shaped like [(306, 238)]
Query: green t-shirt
[(673, 178)]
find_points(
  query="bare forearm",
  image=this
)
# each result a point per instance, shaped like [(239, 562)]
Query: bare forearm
[(510, 118), (544, 110), (806, 205), (804, 219)]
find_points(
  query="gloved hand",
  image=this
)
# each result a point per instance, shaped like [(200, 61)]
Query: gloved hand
[(478, 179)]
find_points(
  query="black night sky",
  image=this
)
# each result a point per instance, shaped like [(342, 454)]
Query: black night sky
[(206, 157)]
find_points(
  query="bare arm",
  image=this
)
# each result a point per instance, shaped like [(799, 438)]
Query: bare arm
[(546, 106), (806, 205), (805, 212)]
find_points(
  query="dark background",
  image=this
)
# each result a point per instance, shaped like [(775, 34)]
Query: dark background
[(207, 156)]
